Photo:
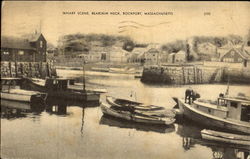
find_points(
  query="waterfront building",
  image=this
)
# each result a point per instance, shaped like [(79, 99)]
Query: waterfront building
[(206, 48), (152, 56), (236, 55), (180, 57), (31, 48)]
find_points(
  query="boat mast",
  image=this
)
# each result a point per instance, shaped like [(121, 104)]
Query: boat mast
[(83, 75)]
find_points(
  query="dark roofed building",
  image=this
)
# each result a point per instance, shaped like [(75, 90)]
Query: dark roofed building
[(236, 55), (31, 48)]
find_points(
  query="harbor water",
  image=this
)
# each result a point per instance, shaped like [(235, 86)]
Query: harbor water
[(62, 130)]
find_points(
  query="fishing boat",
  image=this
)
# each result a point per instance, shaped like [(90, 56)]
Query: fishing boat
[(60, 88), (225, 137), (117, 112), (228, 113)]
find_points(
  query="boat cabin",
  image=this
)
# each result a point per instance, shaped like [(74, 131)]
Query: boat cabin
[(238, 108), (58, 84), (226, 107)]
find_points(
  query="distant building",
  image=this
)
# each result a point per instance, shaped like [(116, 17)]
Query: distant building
[(236, 55), (152, 56), (32, 48), (137, 55), (206, 48), (180, 57), (171, 57), (117, 54)]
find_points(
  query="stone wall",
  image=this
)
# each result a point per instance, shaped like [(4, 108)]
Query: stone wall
[(28, 69), (193, 75)]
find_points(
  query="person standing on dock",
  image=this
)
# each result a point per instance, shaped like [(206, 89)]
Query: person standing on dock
[(188, 95)]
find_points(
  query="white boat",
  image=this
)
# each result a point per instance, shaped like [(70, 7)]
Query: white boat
[(228, 113), (22, 95), (225, 137)]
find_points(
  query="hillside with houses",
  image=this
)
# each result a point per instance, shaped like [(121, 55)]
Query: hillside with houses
[(100, 48)]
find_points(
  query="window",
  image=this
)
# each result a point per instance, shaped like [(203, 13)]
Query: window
[(41, 44), (209, 111), (20, 52), (232, 53), (234, 104)]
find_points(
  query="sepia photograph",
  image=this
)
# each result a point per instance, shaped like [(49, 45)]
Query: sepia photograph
[(125, 80)]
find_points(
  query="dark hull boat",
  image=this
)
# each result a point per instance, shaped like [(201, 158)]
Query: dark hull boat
[(140, 107), (59, 88), (227, 114), (117, 112)]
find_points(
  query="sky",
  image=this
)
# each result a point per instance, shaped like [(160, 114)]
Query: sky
[(184, 19)]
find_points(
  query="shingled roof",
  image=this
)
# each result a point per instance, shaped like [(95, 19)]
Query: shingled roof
[(16, 43)]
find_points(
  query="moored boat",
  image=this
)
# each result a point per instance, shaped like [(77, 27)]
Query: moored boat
[(10, 90), (129, 103), (228, 113), (225, 137), (22, 95), (121, 123), (110, 110), (60, 88)]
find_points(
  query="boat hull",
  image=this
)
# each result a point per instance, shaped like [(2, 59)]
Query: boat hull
[(27, 98), (225, 137), (210, 120), (16, 97), (132, 117)]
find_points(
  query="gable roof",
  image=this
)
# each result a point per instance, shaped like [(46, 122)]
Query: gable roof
[(16, 43), (33, 37), (153, 50), (242, 52)]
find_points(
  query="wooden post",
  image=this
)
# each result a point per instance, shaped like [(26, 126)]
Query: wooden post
[(30, 69), (16, 68), (10, 69), (41, 69), (195, 80), (21, 65), (183, 74)]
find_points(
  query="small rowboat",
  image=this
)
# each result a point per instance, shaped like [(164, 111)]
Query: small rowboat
[(22, 95), (225, 137), (136, 105), (114, 111)]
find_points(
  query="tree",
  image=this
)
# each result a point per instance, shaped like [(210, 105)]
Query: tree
[(128, 45)]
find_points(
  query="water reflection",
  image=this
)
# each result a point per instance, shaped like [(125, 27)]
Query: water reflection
[(115, 122), (13, 109), (191, 136)]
